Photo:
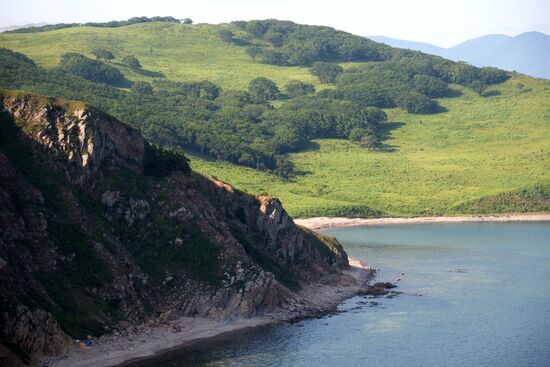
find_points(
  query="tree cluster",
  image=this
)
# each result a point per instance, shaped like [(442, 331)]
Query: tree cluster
[(242, 126), (238, 126), (93, 70), (411, 82), (287, 43)]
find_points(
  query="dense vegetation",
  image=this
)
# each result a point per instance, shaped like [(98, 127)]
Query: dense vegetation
[(288, 43), (242, 126), (207, 108), (238, 126), (93, 70), (485, 155), (392, 78), (285, 43)]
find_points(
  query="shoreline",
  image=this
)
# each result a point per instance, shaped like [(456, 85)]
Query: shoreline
[(319, 223), (146, 342)]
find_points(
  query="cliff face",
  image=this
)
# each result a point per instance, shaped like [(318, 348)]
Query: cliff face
[(82, 138), (98, 229)]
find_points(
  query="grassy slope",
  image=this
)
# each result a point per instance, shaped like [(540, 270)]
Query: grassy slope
[(179, 52), (480, 148)]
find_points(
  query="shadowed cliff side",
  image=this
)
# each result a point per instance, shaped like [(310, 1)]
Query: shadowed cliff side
[(100, 229)]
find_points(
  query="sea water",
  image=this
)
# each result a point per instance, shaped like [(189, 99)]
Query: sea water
[(475, 294)]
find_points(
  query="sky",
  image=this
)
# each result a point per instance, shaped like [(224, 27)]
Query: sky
[(441, 22)]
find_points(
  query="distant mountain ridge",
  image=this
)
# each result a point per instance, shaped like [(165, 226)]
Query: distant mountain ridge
[(527, 53)]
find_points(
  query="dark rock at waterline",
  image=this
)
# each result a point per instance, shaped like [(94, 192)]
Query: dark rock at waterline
[(384, 285), (377, 291)]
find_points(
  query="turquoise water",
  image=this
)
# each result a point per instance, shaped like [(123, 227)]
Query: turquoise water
[(485, 302)]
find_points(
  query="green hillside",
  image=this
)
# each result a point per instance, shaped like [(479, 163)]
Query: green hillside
[(460, 160), (181, 52), (440, 164)]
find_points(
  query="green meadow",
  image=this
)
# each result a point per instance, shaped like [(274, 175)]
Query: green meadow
[(432, 165), (179, 51), (458, 161)]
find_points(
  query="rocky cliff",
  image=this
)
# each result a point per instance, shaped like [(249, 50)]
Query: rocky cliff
[(99, 229)]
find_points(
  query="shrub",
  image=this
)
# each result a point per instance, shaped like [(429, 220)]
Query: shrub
[(296, 88), (326, 72), (89, 69), (103, 54), (262, 89), (131, 61), (142, 88)]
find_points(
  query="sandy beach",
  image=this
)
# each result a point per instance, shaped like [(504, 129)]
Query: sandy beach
[(318, 223), (147, 341)]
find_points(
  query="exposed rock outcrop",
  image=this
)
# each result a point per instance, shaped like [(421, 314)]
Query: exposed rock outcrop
[(90, 240), (77, 134)]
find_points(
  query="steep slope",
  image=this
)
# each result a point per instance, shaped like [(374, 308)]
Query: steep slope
[(99, 227)]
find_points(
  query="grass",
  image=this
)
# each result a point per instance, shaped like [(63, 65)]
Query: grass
[(178, 52), (433, 164), (446, 163)]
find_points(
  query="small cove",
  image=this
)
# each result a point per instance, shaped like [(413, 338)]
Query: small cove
[(485, 301)]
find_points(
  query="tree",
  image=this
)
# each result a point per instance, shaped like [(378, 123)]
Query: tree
[(276, 38), (142, 88), (357, 134), (132, 62), (262, 89), (187, 21), (296, 88), (256, 27), (490, 75), (274, 57), (93, 70), (226, 35), (429, 86), (284, 167), (254, 52), (370, 142), (478, 86), (375, 115), (415, 102), (103, 54), (239, 23), (207, 90), (326, 71)]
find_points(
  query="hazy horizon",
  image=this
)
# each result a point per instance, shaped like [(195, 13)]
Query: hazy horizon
[(422, 21)]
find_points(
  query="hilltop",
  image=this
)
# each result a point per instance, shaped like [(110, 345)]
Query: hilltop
[(394, 132)]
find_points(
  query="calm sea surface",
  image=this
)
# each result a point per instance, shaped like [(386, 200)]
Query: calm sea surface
[(485, 302)]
